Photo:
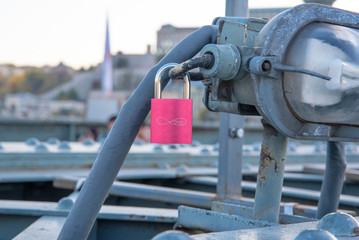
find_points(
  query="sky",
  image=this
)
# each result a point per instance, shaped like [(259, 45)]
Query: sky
[(43, 32)]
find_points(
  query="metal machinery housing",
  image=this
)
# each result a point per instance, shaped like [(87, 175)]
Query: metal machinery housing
[(256, 71)]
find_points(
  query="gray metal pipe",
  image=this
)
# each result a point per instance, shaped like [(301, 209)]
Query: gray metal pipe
[(230, 156), (114, 151), (237, 8), (270, 175), (334, 177)]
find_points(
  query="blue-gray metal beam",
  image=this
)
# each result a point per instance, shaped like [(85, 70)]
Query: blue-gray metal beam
[(149, 192), (118, 143), (68, 202), (270, 174), (230, 157), (194, 218), (348, 200), (289, 232), (231, 147), (46, 227), (334, 177), (162, 194), (79, 156), (121, 213), (237, 8), (52, 217), (247, 212)]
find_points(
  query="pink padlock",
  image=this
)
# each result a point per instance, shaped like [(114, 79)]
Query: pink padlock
[(171, 119)]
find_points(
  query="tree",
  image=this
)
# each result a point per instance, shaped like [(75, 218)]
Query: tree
[(73, 94), (3, 84), (37, 81), (16, 83), (69, 95)]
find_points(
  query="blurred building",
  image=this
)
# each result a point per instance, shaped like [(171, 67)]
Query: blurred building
[(9, 70), (99, 107), (168, 36), (129, 69), (29, 106)]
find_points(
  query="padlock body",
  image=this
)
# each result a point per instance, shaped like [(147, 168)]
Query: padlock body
[(171, 120)]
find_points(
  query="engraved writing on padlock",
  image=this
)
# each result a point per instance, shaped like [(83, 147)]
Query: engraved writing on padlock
[(171, 119)]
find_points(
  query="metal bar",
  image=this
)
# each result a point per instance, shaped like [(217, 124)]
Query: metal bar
[(237, 8), (289, 231), (162, 194), (247, 212), (285, 68), (121, 213), (298, 209), (205, 220), (319, 169), (143, 191), (68, 202), (230, 157), (270, 174), (119, 141), (231, 148), (46, 227), (334, 177)]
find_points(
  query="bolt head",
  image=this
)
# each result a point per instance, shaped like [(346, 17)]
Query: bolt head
[(339, 224)]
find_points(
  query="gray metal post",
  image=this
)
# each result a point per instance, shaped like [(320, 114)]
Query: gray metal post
[(230, 150), (270, 174), (333, 179), (237, 8), (230, 156)]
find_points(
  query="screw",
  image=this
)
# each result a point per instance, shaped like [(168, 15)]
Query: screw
[(236, 132), (266, 65)]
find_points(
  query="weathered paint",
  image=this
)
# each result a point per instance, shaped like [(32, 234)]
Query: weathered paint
[(270, 175)]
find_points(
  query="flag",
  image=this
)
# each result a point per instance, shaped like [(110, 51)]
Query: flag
[(107, 74)]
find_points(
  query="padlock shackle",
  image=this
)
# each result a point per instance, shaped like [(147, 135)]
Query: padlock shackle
[(167, 67)]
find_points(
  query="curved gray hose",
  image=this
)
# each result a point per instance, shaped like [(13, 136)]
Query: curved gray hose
[(114, 151)]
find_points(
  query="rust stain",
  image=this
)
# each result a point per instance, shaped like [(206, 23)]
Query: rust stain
[(134, 216), (262, 176), (219, 207), (276, 167), (356, 231), (160, 218), (266, 157), (299, 210), (176, 71), (267, 161), (263, 179)]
